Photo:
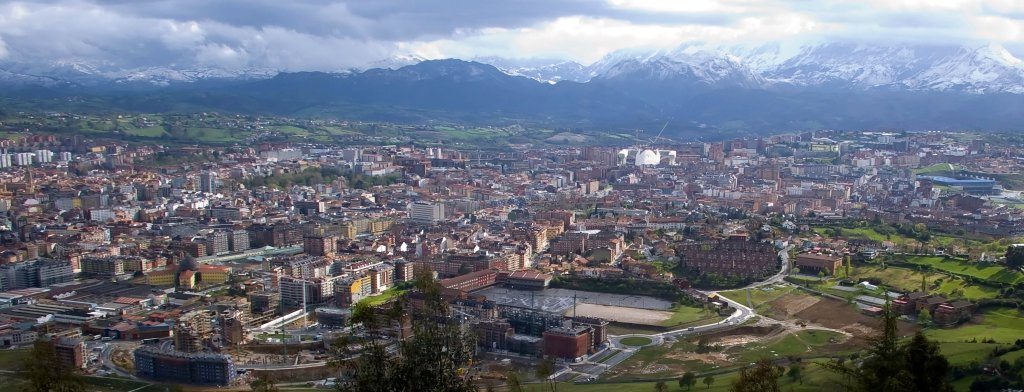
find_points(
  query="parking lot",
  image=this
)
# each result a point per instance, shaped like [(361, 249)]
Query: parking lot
[(561, 300)]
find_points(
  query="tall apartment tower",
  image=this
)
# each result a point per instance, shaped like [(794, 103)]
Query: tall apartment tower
[(208, 182)]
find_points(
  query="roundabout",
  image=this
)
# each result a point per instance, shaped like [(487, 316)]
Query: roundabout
[(636, 341)]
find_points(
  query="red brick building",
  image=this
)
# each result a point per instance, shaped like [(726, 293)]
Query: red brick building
[(951, 313), (69, 352), (813, 262), (471, 281), (567, 343), (732, 257)]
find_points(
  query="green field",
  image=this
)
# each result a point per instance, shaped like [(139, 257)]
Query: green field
[(907, 279), (210, 135), (899, 240), (963, 353), (760, 296), (800, 344), (990, 272), (684, 315), (12, 359), (938, 169), (19, 382), (383, 297), (636, 341), (1002, 325), (814, 379)]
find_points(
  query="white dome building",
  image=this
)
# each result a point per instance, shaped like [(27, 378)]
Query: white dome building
[(648, 157)]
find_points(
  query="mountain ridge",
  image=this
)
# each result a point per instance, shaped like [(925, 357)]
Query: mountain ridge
[(696, 89)]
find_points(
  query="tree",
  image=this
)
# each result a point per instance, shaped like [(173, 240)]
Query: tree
[(1015, 256), (263, 383), (513, 382), (762, 377), (924, 317), (708, 381), (929, 370), (821, 275), (362, 313), (438, 353), (688, 380), (545, 368), (891, 366), (795, 373), (660, 387), (46, 373)]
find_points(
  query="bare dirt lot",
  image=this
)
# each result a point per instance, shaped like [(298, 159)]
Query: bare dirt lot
[(622, 314), (828, 313)]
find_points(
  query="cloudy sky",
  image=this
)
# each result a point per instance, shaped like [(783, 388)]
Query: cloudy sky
[(331, 35)]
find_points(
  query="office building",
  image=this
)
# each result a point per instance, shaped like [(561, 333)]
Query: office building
[(426, 212)]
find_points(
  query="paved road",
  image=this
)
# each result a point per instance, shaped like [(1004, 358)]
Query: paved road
[(109, 364), (739, 316)]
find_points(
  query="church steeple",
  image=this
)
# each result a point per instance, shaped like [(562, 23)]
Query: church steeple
[(30, 185)]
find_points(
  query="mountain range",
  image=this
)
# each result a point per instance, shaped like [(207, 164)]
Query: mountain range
[(696, 88)]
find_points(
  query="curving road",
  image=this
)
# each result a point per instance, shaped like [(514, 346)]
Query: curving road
[(742, 313)]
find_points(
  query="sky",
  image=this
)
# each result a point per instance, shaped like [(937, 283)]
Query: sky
[(296, 35)]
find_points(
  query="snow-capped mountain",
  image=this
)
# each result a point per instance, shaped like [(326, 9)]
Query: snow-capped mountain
[(915, 67), (86, 73), (164, 76), (983, 70), (394, 62), (687, 64), (979, 69), (542, 70)]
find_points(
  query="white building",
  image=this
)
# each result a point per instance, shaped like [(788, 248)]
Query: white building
[(23, 158), (426, 212), (44, 156)]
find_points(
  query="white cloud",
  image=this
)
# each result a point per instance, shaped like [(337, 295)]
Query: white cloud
[(999, 29), (337, 34), (587, 39), (684, 6)]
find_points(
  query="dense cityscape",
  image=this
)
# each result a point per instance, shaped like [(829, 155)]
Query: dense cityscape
[(512, 196), (225, 265)]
